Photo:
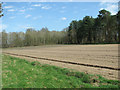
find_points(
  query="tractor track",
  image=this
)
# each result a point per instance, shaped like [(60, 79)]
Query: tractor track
[(74, 63)]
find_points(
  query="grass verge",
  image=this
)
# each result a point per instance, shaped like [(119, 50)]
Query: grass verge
[(19, 73)]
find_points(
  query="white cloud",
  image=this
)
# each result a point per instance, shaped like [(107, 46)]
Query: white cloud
[(101, 8), (62, 11), (107, 1), (110, 6), (28, 27), (45, 7), (64, 18), (11, 10), (42, 6), (8, 7), (12, 17), (35, 18), (103, 2), (63, 7), (36, 5), (23, 10), (3, 26), (30, 8), (70, 0), (25, 26), (112, 9), (27, 16)]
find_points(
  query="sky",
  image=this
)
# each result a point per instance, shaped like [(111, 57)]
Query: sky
[(18, 16)]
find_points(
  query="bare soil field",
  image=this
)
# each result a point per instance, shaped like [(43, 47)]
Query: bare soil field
[(101, 55)]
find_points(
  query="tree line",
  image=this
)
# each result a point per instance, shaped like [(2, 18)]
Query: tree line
[(32, 37), (103, 29)]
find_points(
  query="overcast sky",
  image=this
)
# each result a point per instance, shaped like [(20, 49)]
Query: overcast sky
[(55, 15)]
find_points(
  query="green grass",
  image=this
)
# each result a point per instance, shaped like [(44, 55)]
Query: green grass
[(19, 73)]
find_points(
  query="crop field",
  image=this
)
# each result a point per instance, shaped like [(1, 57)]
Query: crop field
[(92, 59)]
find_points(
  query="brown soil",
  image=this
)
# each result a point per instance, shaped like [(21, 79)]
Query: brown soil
[(102, 55)]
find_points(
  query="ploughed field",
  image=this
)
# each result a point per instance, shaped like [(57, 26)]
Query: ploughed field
[(100, 55)]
